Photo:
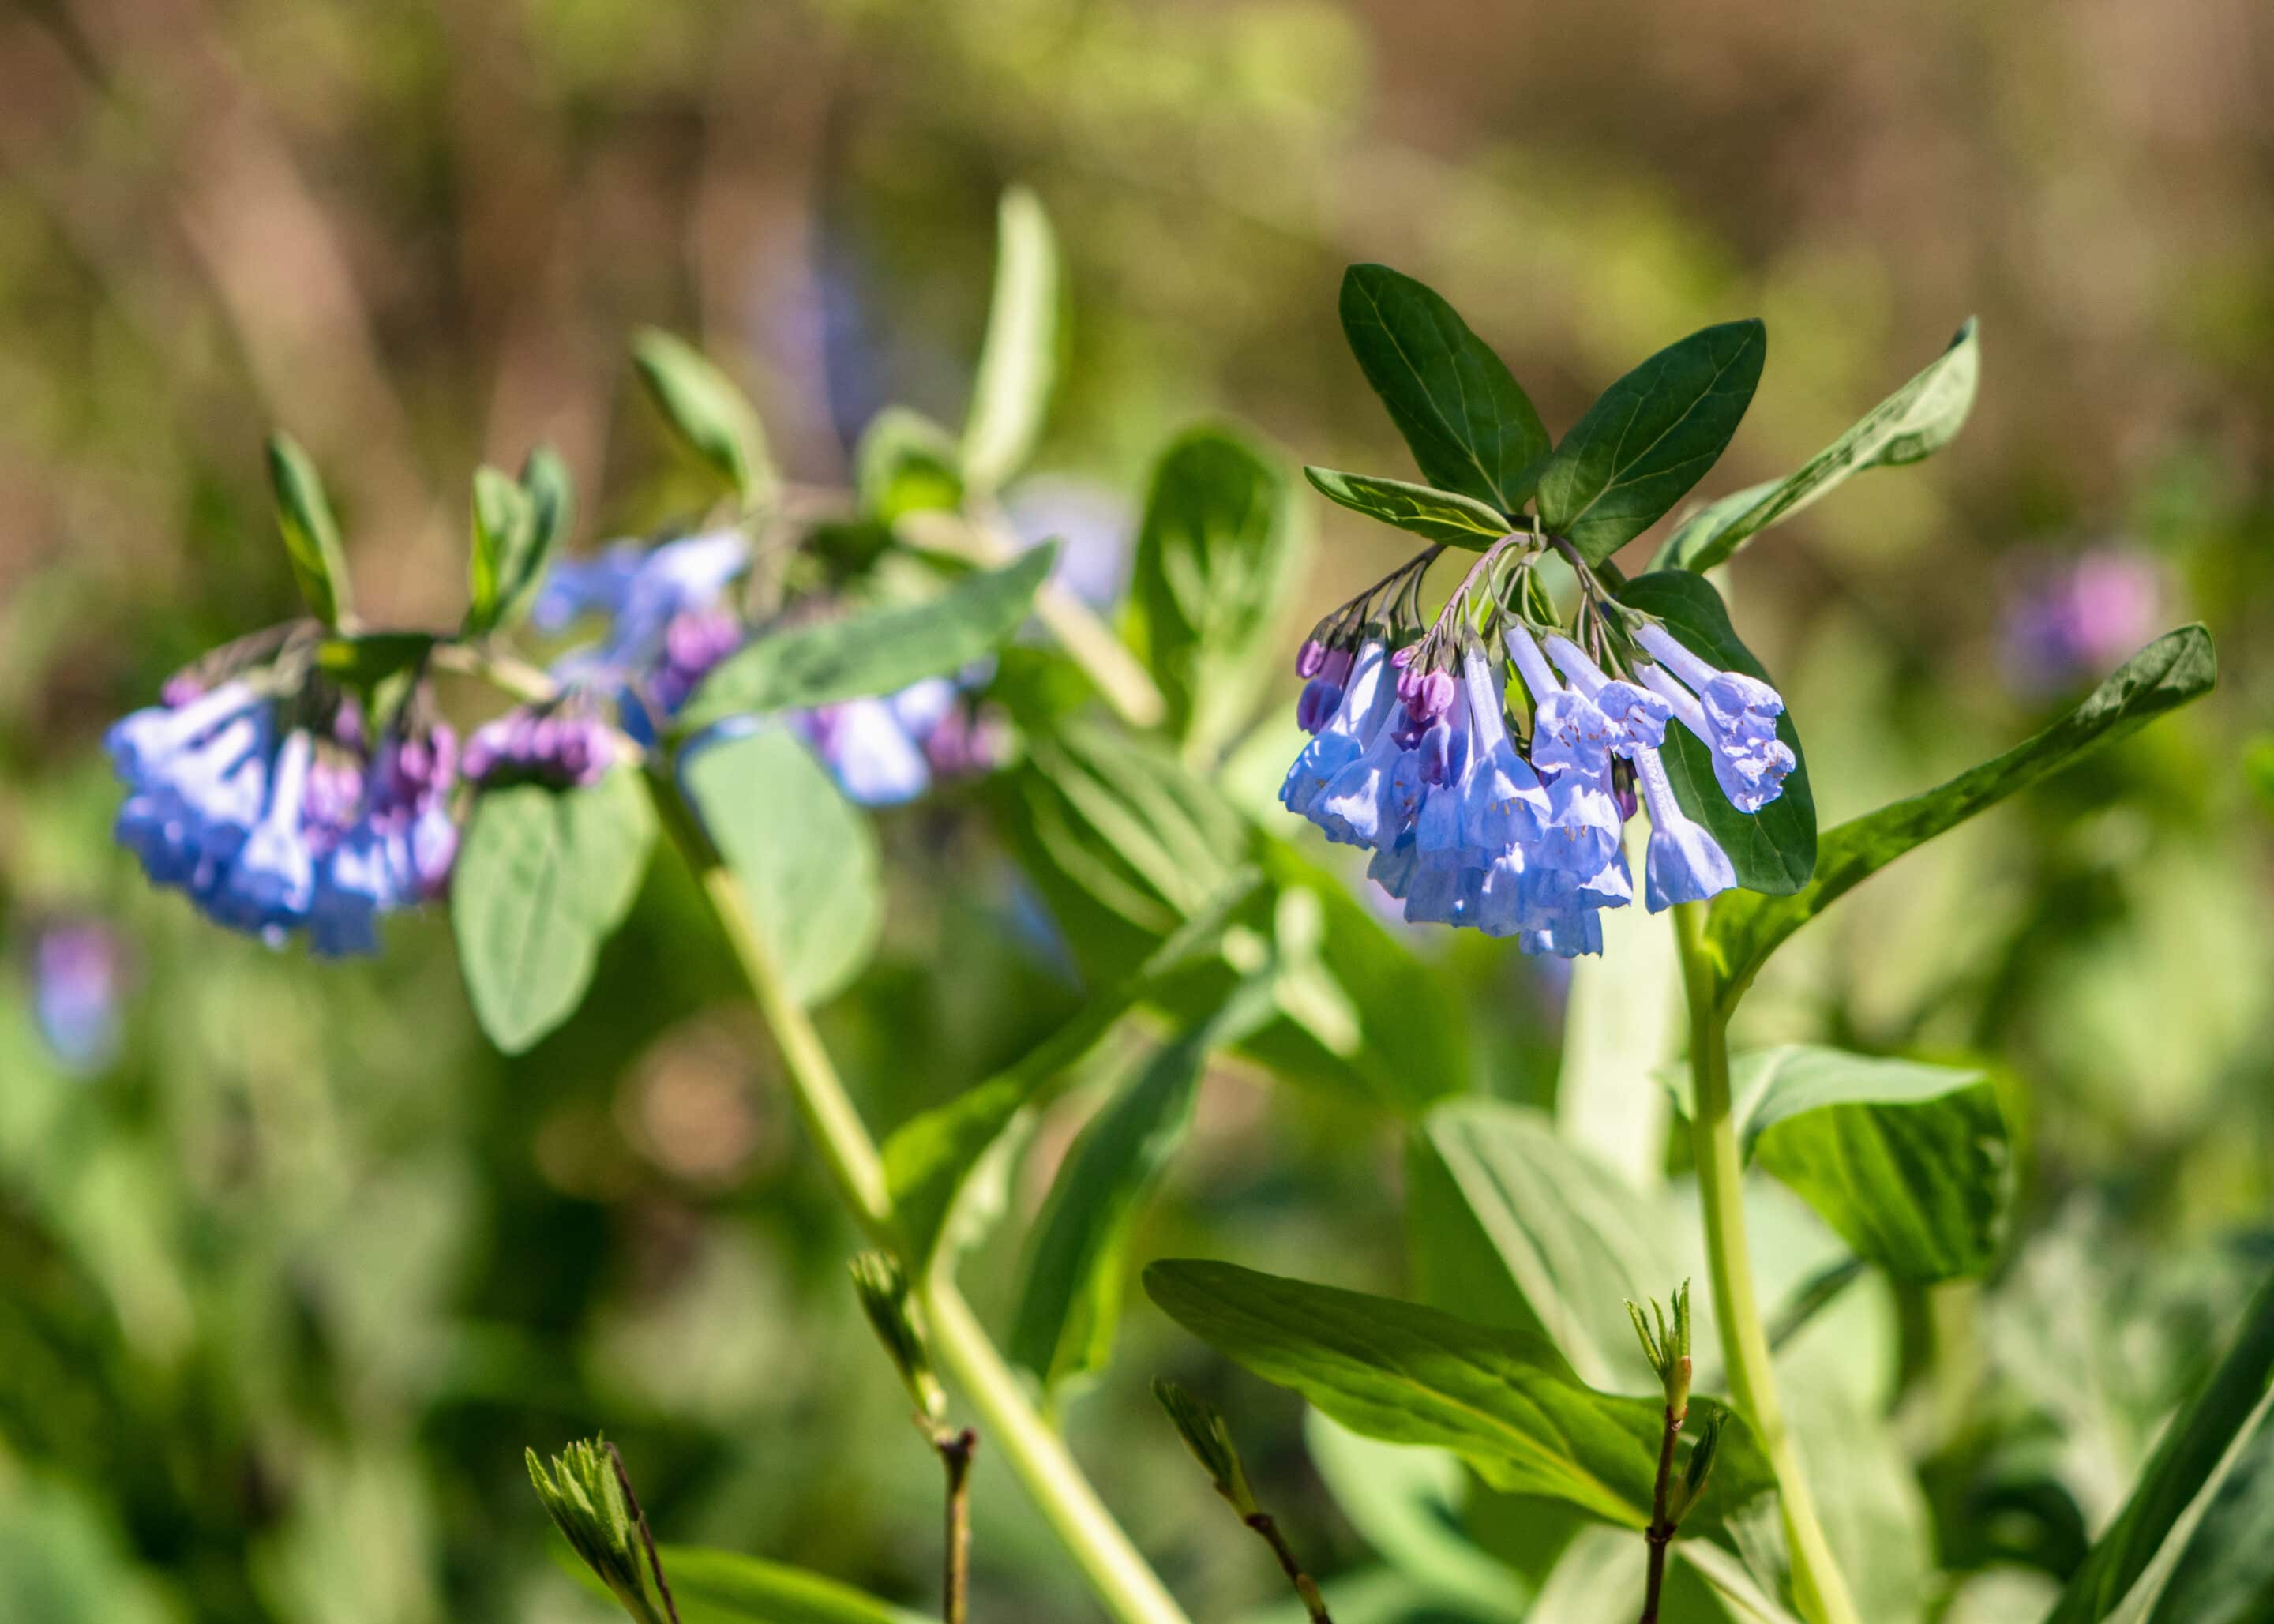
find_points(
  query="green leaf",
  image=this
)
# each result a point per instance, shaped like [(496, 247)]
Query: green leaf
[(806, 861), (2226, 1573), (1070, 1297), (505, 526), (906, 464), (873, 650), (1742, 930), (1471, 428), (311, 536), (1218, 556), (1502, 1399), (1018, 367), (1910, 1164), (1911, 424), (1651, 437), (714, 419), (1444, 516), (2129, 1567), (1506, 1214), (930, 1157), (542, 878), (515, 525), (1772, 850)]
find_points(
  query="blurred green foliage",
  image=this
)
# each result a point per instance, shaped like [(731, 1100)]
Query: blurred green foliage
[(288, 1280)]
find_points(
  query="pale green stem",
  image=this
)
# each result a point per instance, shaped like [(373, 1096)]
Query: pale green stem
[(1817, 1587), (1132, 1592)]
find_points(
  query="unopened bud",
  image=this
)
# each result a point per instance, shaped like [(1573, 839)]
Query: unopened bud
[(884, 1292), (1209, 1441)]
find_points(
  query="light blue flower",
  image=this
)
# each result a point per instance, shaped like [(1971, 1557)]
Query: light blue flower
[(1636, 716), (1570, 732), (269, 885), (1735, 714), (1366, 701), (577, 587), (1685, 863)]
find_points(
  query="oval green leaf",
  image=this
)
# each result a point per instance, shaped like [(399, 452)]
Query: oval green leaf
[(1470, 427), (1909, 1162), (714, 419), (312, 535), (1650, 437), (1218, 556), (542, 879)]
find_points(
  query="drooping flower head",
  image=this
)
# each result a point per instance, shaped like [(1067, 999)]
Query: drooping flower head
[(1502, 804), (265, 797)]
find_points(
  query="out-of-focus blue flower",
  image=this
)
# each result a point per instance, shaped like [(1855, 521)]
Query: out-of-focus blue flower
[(668, 622), (265, 837), (890, 750), (77, 970), (1092, 523)]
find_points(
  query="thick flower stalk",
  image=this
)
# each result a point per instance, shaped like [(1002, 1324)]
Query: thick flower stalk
[(1511, 819)]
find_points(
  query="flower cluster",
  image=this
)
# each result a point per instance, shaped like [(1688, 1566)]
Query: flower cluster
[(563, 744), (271, 824), (1413, 755)]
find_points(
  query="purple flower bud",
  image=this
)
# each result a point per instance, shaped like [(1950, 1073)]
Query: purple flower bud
[(1336, 668), (1432, 695), (1310, 658), (180, 689), (1317, 707)]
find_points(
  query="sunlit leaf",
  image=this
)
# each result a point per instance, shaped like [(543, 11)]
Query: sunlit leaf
[(1504, 1400), (714, 419), (1911, 424), (1743, 930), (1650, 437), (2131, 1564), (930, 1157), (1218, 552), (312, 535), (906, 464), (1018, 367), (1070, 1297), (1470, 427), (1444, 516), (872, 650)]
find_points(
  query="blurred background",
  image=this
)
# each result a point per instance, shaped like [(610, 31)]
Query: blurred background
[(292, 1265)]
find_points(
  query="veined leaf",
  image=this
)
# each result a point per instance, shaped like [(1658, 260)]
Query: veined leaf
[(1018, 367), (929, 1157), (805, 860), (1444, 516), (1218, 553), (1070, 1300), (1650, 437), (543, 878), (873, 651), (1742, 930), (1911, 424), (1506, 1212), (2125, 1577), (1504, 1401), (1908, 1163), (1772, 850), (713, 418), (1471, 428), (311, 536)]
